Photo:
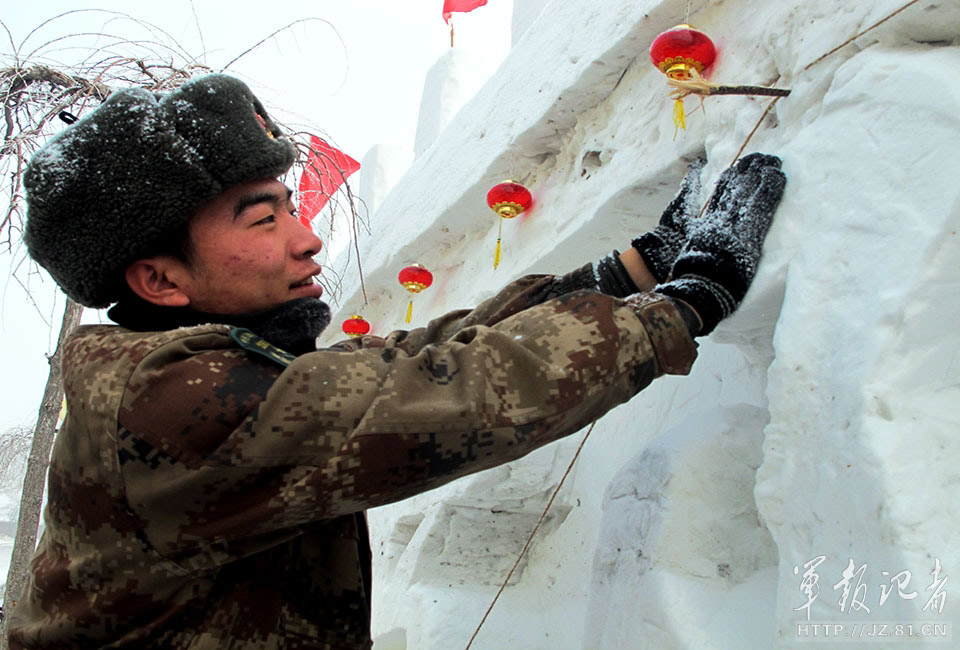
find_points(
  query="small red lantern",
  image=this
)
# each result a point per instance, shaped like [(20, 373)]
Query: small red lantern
[(682, 53), (414, 278), (355, 326), (682, 49), (507, 199)]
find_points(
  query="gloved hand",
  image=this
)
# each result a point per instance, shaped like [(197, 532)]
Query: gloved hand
[(660, 247), (716, 265)]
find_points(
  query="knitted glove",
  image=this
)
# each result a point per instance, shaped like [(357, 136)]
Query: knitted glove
[(716, 265), (660, 247), (607, 275)]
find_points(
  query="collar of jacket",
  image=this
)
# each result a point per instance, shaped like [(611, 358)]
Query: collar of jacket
[(293, 326)]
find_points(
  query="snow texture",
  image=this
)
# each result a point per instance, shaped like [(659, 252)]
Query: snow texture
[(452, 80), (821, 419), (380, 169)]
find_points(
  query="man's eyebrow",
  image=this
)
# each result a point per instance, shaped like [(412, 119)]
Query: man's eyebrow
[(249, 200)]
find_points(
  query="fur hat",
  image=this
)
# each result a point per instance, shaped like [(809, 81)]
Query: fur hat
[(109, 188)]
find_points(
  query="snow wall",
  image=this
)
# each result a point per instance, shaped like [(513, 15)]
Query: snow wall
[(811, 455)]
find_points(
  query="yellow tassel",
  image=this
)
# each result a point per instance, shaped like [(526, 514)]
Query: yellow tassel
[(694, 85), (496, 255), (409, 311), (679, 119)]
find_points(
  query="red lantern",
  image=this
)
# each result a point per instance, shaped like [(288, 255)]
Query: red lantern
[(414, 279), (680, 50), (682, 53), (355, 326), (507, 199)]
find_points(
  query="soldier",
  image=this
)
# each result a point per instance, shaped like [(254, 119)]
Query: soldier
[(207, 489)]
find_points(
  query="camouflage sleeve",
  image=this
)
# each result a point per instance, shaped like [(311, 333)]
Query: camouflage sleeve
[(526, 292), (342, 431)]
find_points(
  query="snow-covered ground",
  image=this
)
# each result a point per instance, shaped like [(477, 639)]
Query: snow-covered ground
[(809, 458)]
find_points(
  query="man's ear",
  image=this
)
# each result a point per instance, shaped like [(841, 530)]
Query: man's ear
[(158, 280)]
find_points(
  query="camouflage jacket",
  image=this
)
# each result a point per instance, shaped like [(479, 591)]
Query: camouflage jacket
[(205, 496)]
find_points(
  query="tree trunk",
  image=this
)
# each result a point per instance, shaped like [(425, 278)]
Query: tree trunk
[(34, 482)]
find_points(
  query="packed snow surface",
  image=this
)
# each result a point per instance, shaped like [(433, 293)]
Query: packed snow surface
[(805, 472)]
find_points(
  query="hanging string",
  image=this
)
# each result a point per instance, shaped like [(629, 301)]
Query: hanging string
[(858, 35), (742, 147), (587, 435), (523, 551), (752, 131)]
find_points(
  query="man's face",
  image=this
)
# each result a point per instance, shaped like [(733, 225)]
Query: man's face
[(250, 252)]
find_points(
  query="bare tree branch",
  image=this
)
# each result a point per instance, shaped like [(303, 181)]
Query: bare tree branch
[(285, 28), (13, 47)]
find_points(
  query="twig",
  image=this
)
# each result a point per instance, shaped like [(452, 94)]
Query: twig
[(859, 34), (750, 90), (31, 300), (17, 181), (13, 47), (150, 27), (697, 85), (196, 21), (523, 551), (356, 248), (754, 129), (740, 151), (286, 27), (143, 67)]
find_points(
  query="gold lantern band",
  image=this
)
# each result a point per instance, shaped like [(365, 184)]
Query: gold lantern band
[(679, 67), (414, 287), (507, 209)]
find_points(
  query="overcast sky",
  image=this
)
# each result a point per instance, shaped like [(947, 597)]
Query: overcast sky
[(359, 79)]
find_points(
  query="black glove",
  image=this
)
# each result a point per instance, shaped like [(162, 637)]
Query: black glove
[(607, 275), (660, 247), (716, 265)]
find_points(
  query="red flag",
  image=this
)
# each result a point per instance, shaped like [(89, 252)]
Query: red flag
[(326, 170), (463, 6)]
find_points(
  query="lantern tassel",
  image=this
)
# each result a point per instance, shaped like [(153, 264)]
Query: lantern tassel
[(679, 118), (496, 255), (695, 85), (409, 311)]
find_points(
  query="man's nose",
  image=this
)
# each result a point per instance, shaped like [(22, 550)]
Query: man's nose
[(306, 242)]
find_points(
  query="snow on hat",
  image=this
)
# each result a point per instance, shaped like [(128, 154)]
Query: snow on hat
[(109, 188)]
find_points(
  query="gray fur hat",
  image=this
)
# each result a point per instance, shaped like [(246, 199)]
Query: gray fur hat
[(109, 188)]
